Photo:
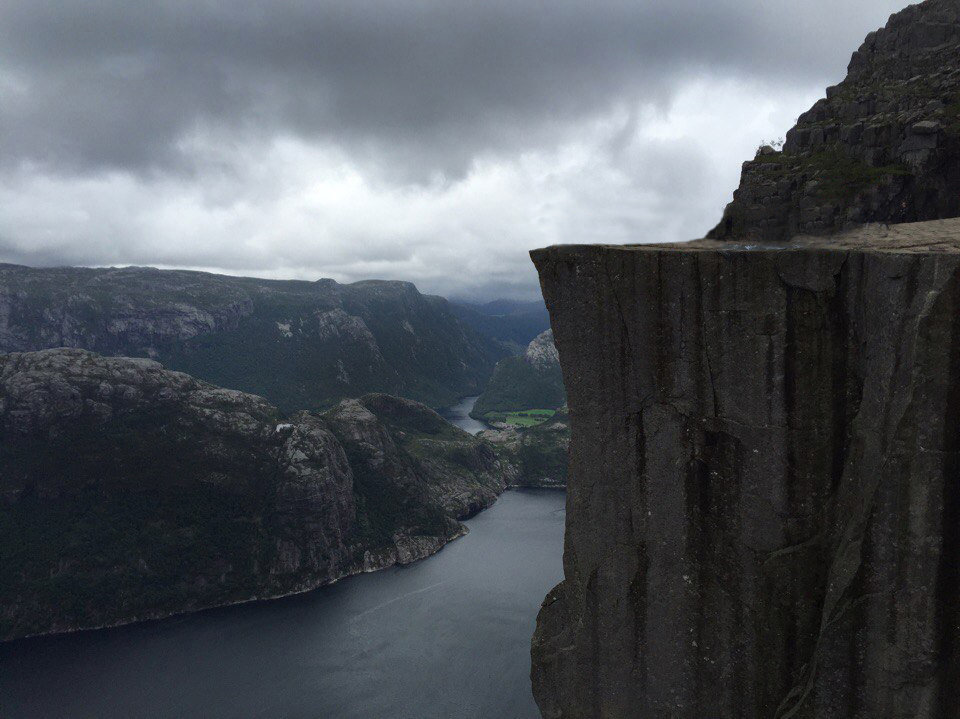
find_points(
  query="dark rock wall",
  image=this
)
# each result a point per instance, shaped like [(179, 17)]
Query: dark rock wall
[(764, 492), (882, 146)]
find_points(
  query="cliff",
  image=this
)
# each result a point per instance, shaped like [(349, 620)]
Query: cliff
[(302, 345), (882, 146), (763, 514), (129, 492)]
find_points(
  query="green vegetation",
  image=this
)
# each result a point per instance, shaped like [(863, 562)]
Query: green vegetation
[(539, 451), (522, 418), (127, 514), (839, 176), (517, 385)]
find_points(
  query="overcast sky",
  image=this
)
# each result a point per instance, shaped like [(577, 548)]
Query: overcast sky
[(427, 140)]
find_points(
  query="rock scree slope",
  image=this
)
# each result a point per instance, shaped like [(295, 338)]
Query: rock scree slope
[(763, 514)]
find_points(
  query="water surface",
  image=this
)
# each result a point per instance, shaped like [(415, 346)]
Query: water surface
[(459, 415), (445, 638)]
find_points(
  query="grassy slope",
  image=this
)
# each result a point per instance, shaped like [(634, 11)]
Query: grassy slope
[(517, 385)]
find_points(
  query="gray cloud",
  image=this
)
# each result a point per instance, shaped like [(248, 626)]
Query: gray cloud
[(413, 139), (418, 86)]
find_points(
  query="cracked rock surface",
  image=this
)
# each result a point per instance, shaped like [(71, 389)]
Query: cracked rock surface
[(763, 514)]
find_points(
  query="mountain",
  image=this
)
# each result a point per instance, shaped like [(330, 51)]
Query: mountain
[(128, 491), (512, 323), (302, 345), (882, 146), (535, 443), (531, 381)]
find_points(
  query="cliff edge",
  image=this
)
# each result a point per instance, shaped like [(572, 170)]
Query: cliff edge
[(763, 514)]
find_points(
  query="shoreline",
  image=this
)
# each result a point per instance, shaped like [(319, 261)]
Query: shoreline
[(369, 565)]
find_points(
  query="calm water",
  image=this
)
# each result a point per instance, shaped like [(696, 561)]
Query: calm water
[(459, 415), (445, 638)]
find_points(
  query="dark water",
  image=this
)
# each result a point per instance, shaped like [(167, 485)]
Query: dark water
[(459, 415), (445, 638)]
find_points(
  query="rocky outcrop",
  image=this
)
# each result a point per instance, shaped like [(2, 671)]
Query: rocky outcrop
[(542, 352), (302, 345), (882, 146), (763, 514), (128, 491)]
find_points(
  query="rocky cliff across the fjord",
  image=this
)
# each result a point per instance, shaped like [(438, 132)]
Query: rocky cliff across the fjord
[(763, 515), (302, 345), (129, 492), (882, 146)]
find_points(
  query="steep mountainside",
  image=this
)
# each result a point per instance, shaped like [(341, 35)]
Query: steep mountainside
[(530, 381), (883, 146), (302, 345), (128, 491), (763, 513)]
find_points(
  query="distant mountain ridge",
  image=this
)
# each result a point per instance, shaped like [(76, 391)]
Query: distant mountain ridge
[(511, 322), (302, 345)]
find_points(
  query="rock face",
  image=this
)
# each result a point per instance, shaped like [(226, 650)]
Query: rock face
[(129, 492), (883, 146), (302, 345), (542, 352), (763, 516)]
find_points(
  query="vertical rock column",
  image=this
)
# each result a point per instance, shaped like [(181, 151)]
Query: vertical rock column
[(764, 493)]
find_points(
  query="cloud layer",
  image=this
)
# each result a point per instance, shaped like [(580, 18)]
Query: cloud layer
[(435, 142)]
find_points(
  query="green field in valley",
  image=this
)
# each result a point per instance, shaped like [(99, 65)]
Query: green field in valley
[(528, 417)]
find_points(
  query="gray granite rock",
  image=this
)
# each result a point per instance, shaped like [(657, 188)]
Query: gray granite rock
[(763, 515)]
